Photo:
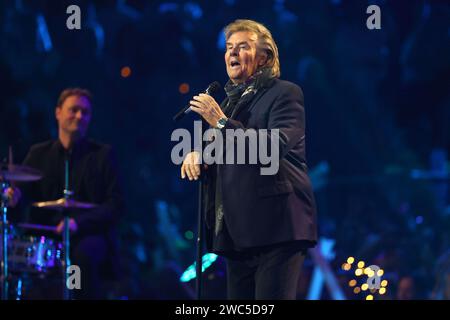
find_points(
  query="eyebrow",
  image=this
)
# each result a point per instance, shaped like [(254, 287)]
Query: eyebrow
[(77, 106), (242, 42)]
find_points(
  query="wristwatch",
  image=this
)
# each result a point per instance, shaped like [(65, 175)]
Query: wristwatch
[(221, 123)]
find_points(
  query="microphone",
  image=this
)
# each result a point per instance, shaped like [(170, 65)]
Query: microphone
[(212, 89)]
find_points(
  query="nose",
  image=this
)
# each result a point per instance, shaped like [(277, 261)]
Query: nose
[(79, 115), (234, 51)]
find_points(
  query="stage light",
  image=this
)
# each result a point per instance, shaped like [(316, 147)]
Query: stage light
[(43, 34), (369, 297), (366, 270), (356, 290), (382, 291), (380, 272), (346, 266), (350, 260), (189, 235), (183, 88), (190, 273), (384, 283), (419, 220), (364, 287), (352, 283), (361, 264), (358, 272), (369, 272), (125, 72)]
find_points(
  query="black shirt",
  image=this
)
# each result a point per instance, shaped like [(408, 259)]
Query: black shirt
[(93, 178)]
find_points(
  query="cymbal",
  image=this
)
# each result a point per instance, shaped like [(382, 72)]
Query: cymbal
[(14, 172), (64, 203), (36, 227)]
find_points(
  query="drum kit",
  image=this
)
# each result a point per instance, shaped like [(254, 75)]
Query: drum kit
[(34, 254)]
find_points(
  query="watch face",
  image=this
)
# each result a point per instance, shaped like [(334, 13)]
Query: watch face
[(221, 123)]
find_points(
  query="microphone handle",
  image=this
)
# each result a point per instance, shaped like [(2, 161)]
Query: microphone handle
[(181, 113), (186, 109)]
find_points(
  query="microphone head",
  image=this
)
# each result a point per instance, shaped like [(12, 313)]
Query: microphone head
[(213, 88)]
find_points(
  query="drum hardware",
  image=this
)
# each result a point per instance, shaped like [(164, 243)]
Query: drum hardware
[(10, 172), (64, 206)]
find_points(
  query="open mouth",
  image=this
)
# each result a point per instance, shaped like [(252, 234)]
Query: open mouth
[(234, 64)]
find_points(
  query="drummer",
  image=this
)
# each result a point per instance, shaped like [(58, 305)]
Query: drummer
[(93, 178)]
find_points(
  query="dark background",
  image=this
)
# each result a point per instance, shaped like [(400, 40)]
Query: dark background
[(377, 109)]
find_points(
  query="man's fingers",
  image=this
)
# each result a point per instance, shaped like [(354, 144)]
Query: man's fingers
[(210, 101), (194, 172), (188, 172), (206, 97), (200, 97), (186, 168), (195, 103), (190, 167), (182, 171), (191, 172), (197, 110)]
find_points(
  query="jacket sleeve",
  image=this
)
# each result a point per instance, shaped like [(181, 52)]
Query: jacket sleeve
[(285, 125)]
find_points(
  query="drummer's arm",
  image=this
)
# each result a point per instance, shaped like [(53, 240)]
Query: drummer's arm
[(33, 159), (14, 193), (30, 190)]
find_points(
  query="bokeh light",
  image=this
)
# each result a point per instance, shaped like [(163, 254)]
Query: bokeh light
[(125, 72), (183, 88)]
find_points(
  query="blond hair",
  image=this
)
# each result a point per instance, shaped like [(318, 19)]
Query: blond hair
[(265, 41)]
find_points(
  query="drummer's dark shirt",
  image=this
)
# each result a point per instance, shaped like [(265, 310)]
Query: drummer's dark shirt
[(93, 177)]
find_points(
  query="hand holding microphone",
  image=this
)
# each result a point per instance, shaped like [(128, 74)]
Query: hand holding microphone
[(205, 105), (209, 109)]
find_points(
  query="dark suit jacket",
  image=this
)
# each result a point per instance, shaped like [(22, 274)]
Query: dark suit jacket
[(262, 210)]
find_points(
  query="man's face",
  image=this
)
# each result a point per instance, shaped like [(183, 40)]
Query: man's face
[(74, 115), (242, 57)]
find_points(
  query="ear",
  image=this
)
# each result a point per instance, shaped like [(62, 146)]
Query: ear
[(57, 112), (263, 59)]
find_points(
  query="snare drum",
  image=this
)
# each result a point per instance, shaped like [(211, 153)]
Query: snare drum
[(34, 254)]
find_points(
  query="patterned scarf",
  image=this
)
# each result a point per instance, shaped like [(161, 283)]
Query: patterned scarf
[(247, 89)]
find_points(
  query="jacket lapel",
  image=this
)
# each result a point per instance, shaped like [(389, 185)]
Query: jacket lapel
[(250, 104)]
